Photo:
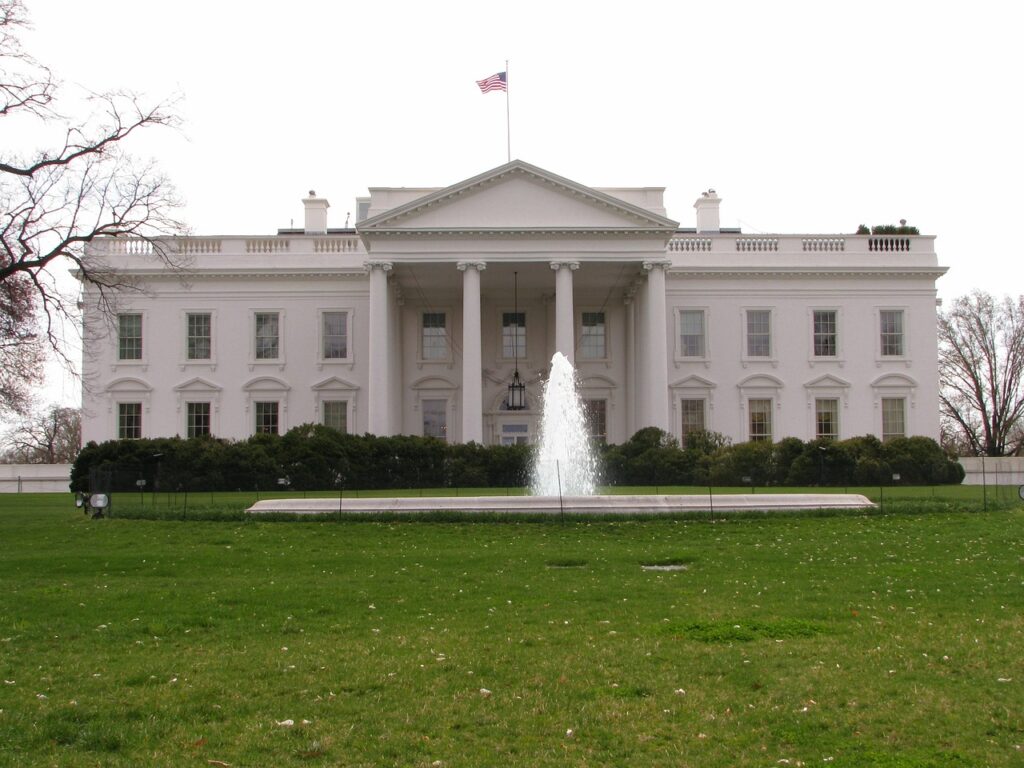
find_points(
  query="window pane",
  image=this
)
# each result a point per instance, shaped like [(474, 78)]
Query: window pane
[(513, 334), (592, 341), (693, 416), (825, 333), (336, 414), (759, 335), (891, 324), (435, 418), (129, 421), (894, 422), (596, 413), (435, 336), (266, 418), (267, 340), (691, 332), (335, 335), (826, 418), (760, 419), (198, 419), (199, 336), (129, 337)]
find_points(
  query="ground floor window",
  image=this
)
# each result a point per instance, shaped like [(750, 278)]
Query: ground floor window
[(335, 414), (596, 412), (267, 418), (760, 419), (894, 417), (129, 421), (198, 420), (435, 418), (692, 416), (826, 418), (515, 434)]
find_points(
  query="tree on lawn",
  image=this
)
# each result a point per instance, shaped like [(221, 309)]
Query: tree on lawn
[(79, 189), (981, 369), (53, 437)]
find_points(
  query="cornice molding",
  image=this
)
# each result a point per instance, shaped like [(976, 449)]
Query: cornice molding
[(698, 273), (523, 232)]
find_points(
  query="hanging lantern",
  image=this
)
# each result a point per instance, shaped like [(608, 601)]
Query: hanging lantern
[(516, 389)]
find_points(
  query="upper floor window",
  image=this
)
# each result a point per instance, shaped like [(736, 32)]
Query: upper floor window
[(891, 327), (334, 334), (760, 419), (825, 333), (691, 333), (129, 337), (198, 423), (435, 336), (198, 335), (268, 335), (129, 421), (759, 333), (513, 334), (593, 342)]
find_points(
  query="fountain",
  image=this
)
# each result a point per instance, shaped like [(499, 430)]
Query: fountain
[(565, 464), (564, 479)]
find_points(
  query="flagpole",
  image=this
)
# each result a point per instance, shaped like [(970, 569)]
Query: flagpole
[(508, 125)]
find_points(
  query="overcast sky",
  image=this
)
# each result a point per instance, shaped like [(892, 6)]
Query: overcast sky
[(805, 117)]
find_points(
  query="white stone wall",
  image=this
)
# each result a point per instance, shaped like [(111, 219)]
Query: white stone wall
[(35, 478)]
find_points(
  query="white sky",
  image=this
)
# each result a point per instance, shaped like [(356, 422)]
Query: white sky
[(804, 116)]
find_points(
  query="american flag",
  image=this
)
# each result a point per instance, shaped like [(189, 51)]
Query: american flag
[(496, 82)]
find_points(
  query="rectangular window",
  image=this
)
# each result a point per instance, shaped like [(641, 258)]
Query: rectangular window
[(760, 420), (691, 333), (592, 337), (894, 417), (693, 416), (596, 413), (825, 333), (435, 336), (198, 420), (891, 325), (335, 414), (513, 334), (759, 333), (129, 337), (266, 418), (199, 337), (515, 434), (335, 335), (435, 418), (129, 421), (826, 418), (268, 329)]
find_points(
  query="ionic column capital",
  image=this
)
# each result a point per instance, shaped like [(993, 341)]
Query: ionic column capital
[(653, 264), (383, 266), (462, 266), (573, 265)]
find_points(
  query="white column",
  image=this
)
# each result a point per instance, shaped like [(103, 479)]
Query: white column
[(657, 335), (379, 406), (564, 326), (630, 312), (472, 364)]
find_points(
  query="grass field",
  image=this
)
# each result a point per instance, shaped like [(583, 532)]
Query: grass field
[(892, 640)]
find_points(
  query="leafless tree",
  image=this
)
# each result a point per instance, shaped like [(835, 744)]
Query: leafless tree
[(52, 437), (82, 189), (981, 369)]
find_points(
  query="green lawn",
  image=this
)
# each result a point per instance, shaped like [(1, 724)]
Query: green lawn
[(890, 640)]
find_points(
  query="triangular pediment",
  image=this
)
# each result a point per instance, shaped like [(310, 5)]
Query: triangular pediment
[(517, 197), (197, 384), (333, 383), (694, 381), (828, 381)]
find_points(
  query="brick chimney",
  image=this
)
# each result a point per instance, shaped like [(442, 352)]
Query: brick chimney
[(707, 211), (316, 214)]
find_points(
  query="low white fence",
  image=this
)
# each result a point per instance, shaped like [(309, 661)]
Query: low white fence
[(1005, 470), (35, 478)]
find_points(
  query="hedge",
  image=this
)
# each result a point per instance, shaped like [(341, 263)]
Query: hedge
[(314, 457)]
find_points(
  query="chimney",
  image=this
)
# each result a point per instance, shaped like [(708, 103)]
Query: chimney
[(316, 214), (707, 211)]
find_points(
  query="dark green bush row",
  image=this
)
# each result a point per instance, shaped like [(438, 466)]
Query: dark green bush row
[(652, 457), (312, 457)]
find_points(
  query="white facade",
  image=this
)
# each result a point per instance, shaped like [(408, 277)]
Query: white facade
[(407, 323)]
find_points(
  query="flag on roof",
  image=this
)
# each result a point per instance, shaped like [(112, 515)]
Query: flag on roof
[(496, 82)]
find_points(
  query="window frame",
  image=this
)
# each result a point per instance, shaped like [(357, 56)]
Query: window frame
[(190, 431), (583, 336), (745, 341), (445, 426), (521, 343), (836, 433), (186, 336), (322, 335), (600, 412), (902, 400), (446, 336), (703, 410), (904, 336), (254, 359), (143, 346), (346, 406), (257, 407), (705, 338), (759, 437), (836, 336), (122, 426)]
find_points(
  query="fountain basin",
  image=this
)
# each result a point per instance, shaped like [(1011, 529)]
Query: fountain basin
[(569, 505)]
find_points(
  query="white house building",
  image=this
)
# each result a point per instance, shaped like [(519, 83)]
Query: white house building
[(415, 320)]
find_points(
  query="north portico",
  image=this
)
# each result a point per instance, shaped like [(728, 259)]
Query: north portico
[(463, 249), (415, 320)]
